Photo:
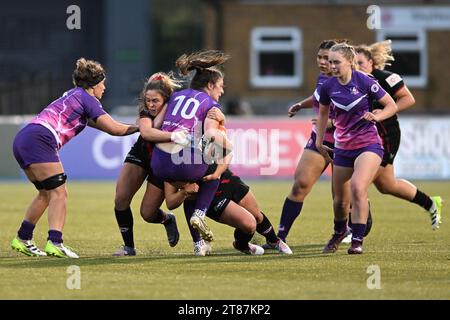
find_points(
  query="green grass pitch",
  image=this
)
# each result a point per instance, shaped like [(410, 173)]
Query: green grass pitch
[(413, 260)]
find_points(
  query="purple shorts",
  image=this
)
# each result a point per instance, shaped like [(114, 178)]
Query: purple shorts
[(311, 144), (178, 167), (346, 158), (35, 144)]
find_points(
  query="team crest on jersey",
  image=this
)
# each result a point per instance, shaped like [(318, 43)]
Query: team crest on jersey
[(393, 79), (354, 90), (374, 88)]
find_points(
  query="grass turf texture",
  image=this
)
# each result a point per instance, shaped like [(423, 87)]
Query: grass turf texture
[(413, 260)]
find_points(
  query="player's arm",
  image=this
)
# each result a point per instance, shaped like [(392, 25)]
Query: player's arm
[(304, 104), (175, 196), (159, 119), (149, 133), (107, 124), (216, 114), (404, 97), (223, 160), (321, 125), (389, 109), (222, 166), (213, 134)]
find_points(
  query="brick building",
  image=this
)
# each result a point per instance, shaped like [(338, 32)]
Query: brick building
[(274, 44)]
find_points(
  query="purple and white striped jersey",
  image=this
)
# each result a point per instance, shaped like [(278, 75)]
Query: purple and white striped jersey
[(68, 116), (351, 102)]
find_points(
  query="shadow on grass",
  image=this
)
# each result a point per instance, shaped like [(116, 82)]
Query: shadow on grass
[(220, 256)]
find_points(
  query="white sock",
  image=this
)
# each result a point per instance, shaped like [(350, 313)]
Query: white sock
[(199, 213)]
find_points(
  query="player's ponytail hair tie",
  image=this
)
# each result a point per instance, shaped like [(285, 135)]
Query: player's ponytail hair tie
[(164, 83), (156, 77)]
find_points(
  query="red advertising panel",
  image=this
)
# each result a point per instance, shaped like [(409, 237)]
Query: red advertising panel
[(268, 147)]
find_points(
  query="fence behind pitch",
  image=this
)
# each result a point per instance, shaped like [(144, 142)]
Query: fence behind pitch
[(264, 148)]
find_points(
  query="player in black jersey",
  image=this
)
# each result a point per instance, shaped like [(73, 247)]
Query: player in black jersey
[(137, 168), (235, 205), (372, 59)]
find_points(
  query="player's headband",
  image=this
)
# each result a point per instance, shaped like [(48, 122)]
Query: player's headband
[(96, 80)]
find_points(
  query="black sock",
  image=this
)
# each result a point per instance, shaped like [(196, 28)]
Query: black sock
[(161, 217), (125, 221), (242, 239), (350, 223), (369, 224), (265, 228), (422, 200)]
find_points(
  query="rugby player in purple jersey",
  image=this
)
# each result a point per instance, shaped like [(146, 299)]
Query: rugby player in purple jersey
[(187, 112), (36, 148), (311, 164), (358, 150)]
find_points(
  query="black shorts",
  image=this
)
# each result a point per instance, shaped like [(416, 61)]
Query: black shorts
[(154, 180), (231, 188), (391, 144), (140, 155)]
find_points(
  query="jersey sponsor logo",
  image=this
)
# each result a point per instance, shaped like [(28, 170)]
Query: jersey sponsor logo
[(393, 79), (374, 88)]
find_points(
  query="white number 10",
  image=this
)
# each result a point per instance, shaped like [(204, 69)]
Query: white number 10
[(184, 110)]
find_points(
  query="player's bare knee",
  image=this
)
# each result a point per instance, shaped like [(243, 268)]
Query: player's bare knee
[(149, 216), (258, 216), (383, 187), (43, 195), (59, 194), (341, 205), (249, 226), (122, 200), (359, 192), (146, 217), (299, 190)]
